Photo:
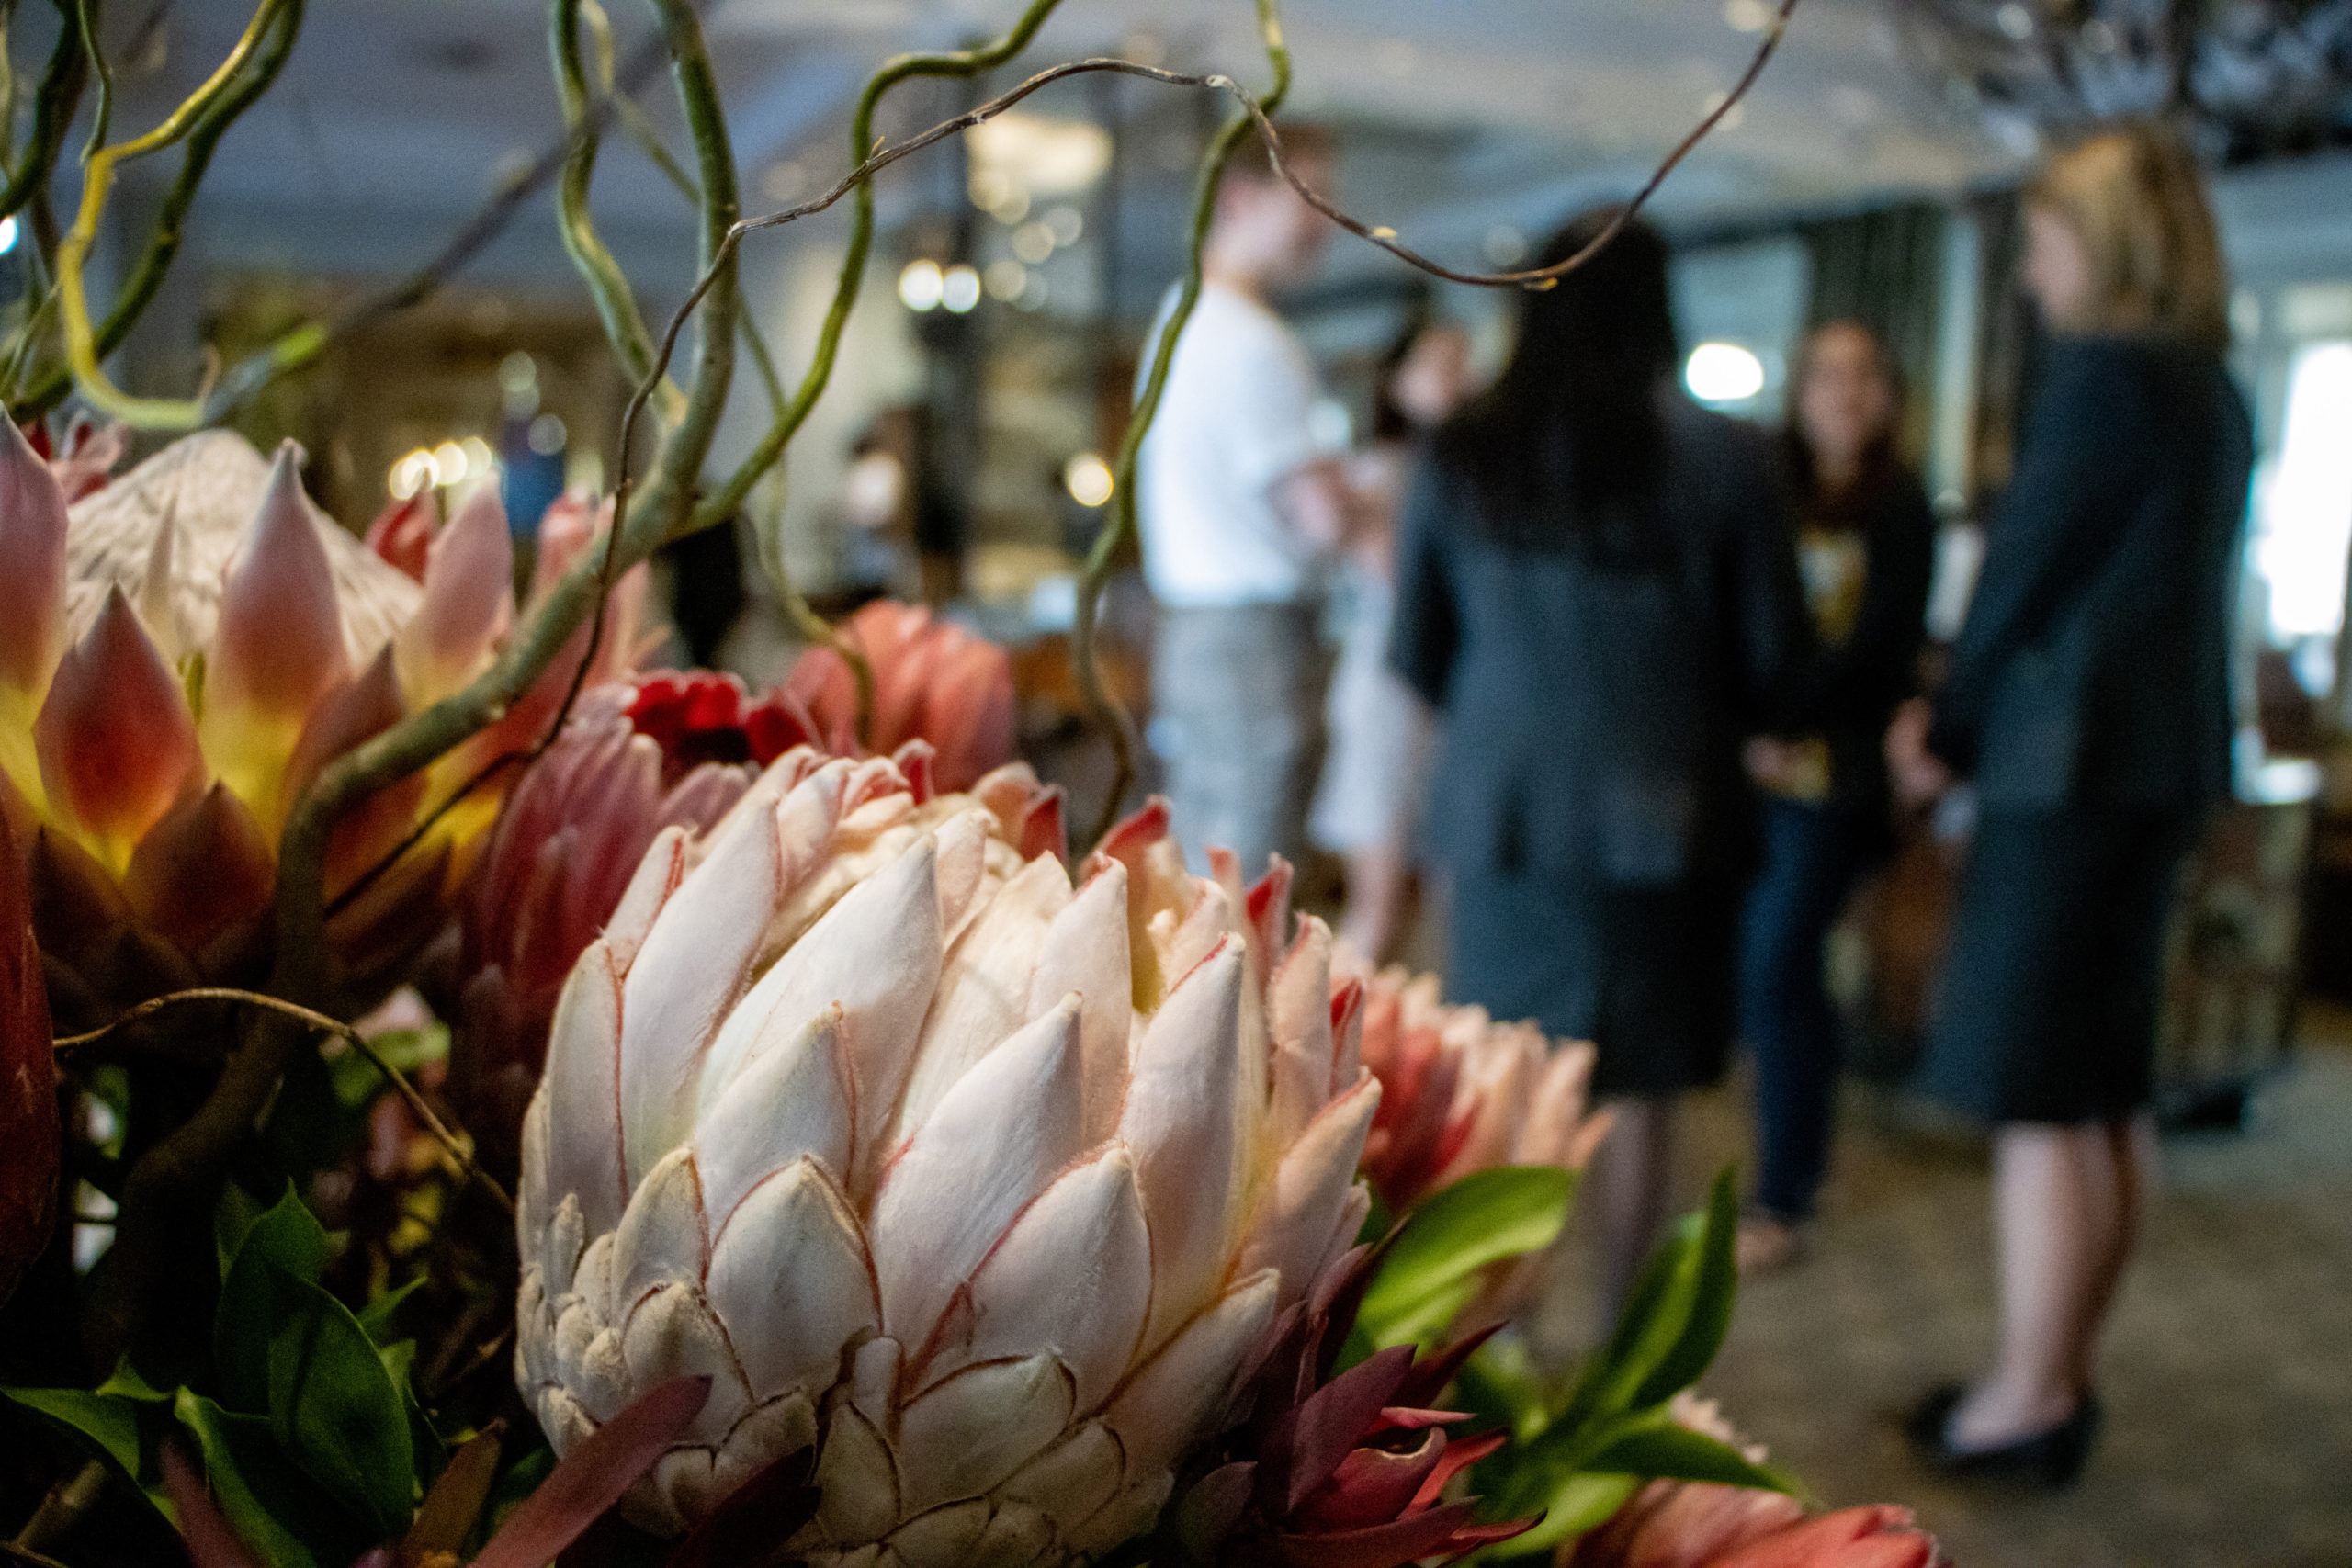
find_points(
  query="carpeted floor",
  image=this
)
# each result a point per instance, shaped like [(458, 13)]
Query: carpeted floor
[(2227, 1374)]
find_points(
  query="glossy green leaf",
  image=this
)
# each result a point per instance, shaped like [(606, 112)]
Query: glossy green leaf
[(256, 1490), (109, 1420), (334, 1405), (286, 1238), (1675, 1320), (376, 1316), (127, 1384), (232, 1217), (1668, 1452), (1579, 1503), (1431, 1267), (1714, 1288)]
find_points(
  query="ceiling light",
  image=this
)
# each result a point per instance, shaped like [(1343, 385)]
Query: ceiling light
[(449, 463), (1505, 246), (1005, 280), (480, 461), (959, 289), (1033, 242), (411, 474), (1722, 373), (921, 286), (1042, 156), (1088, 478), (1065, 223), (547, 436), (1747, 16), (7, 233), (987, 187)]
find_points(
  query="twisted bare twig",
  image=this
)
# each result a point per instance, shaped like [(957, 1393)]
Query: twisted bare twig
[(455, 1148)]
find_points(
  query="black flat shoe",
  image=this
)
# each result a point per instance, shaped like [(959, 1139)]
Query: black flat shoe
[(2051, 1458)]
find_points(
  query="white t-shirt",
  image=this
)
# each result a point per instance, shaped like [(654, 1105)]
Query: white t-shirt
[(1235, 418)]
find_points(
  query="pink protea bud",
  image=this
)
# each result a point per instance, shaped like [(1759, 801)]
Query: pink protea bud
[(933, 681), (279, 645), (118, 744), (202, 872), (468, 601)]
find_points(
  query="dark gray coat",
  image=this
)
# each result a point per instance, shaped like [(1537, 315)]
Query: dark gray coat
[(1597, 690), (2093, 668)]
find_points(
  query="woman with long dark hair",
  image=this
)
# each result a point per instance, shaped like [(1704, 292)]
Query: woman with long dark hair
[(1596, 586), (1866, 544), (2089, 703)]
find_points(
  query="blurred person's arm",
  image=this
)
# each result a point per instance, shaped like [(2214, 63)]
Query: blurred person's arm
[(1319, 504), (2037, 543)]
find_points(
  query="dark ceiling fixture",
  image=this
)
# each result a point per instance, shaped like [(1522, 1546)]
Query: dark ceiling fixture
[(2251, 79)]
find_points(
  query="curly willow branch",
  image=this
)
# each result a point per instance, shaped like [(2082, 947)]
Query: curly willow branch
[(449, 1141), (190, 1158), (200, 121)]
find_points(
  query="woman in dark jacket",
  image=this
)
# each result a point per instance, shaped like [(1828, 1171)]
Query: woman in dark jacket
[(1866, 543), (2089, 702), (1596, 584)]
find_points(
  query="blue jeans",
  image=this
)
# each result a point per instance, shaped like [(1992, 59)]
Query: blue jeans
[(1812, 855)]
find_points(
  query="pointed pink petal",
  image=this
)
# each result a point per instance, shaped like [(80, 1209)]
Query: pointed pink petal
[(278, 647), (1182, 1117), (402, 533), (993, 1145), (1299, 1223), (33, 570), (1073, 1276), (468, 601), (1166, 1407), (118, 747), (203, 868), (591, 1477), (1085, 952)]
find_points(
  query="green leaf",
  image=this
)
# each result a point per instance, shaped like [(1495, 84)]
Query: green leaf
[(1714, 1288), (410, 1049), (1674, 1321), (288, 1239), (232, 1217), (127, 1384), (1431, 1271), (1579, 1503), (110, 1420), (335, 1407), (1501, 1386), (257, 1491), (376, 1316), (1668, 1452)]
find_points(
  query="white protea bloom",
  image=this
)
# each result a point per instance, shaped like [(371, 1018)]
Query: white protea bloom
[(991, 1184)]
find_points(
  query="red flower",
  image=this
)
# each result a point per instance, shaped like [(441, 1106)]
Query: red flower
[(1342, 1472)]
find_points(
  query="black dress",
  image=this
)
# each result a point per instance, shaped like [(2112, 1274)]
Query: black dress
[(1589, 804), (2089, 700)]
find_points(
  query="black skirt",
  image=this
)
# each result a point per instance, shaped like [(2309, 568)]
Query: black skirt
[(1643, 972), (2047, 1010)]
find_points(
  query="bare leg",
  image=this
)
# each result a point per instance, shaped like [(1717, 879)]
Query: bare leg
[(2058, 1216), (1631, 1178), (2131, 1156), (1377, 877)]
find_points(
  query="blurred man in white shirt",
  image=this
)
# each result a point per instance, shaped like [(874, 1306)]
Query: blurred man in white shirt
[(1239, 510)]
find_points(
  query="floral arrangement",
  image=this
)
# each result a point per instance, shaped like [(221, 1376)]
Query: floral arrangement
[(471, 1100)]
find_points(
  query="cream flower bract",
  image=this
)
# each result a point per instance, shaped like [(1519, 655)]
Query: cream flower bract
[(994, 1183)]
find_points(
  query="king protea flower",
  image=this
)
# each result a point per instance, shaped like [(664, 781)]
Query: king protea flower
[(1459, 1092), (990, 1183), (179, 657), (932, 681)]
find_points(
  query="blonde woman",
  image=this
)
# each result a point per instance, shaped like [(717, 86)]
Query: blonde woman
[(2089, 701)]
